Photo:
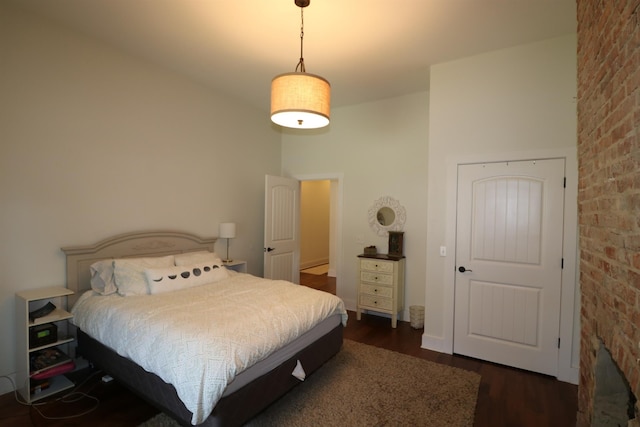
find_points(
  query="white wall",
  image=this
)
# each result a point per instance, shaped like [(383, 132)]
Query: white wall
[(503, 104), (381, 150), (94, 143)]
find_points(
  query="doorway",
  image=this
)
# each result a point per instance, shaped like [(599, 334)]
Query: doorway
[(315, 203), (320, 216), (444, 269), (509, 262)]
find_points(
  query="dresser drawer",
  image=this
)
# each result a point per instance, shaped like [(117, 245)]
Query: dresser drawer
[(374, 302), (376, 265), (382, 291), (384, 279)]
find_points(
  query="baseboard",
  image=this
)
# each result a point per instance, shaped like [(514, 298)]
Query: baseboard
[(313, 263), (5, 385), (433, 343), (569, 375), (350, 304)]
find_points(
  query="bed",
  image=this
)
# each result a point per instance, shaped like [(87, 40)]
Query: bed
[(230, 393)]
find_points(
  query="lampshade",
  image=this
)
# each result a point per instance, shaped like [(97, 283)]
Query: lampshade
[(227, 230), (300, 100)]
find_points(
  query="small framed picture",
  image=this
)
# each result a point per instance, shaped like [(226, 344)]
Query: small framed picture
[(396, 243)]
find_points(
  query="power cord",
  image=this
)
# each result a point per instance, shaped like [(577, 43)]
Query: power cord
[(15, 389), (70, 397)]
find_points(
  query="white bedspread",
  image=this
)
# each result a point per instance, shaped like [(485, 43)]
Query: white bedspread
[(198, 339)]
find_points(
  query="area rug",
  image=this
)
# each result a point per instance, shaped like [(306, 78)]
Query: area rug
[(318, 270), (369, 386)]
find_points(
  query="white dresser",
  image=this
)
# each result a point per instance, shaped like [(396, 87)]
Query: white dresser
[(381, 285)]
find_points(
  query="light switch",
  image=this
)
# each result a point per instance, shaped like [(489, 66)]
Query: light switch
[(443, 251)]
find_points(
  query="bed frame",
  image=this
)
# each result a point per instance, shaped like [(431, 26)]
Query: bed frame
[(233, 409)]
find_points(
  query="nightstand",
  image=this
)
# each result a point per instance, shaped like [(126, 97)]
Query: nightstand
[(33, 338), (237, 264)]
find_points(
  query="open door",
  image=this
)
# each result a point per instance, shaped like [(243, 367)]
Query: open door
[(282, 228)]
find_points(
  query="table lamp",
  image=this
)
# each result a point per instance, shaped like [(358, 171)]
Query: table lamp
[(227, 230)]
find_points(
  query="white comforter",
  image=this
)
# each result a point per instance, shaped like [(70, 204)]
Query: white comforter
[(198, 339)]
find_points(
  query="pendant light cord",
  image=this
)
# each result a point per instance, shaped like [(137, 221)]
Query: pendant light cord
[(301, 62)]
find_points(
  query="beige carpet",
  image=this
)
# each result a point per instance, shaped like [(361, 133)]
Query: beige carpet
[(318, 270), (368, 386)]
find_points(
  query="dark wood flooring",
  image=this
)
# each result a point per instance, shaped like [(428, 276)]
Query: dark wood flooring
[(507, 396)]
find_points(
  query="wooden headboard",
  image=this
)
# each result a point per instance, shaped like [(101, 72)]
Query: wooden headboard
[(129, 245)]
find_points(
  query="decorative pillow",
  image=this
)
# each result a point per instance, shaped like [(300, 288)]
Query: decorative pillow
[(102, 280), (191, 258), (129, 273), (181, 277)]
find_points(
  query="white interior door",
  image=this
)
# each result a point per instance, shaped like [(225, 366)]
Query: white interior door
[(282, 229), (508, 263)]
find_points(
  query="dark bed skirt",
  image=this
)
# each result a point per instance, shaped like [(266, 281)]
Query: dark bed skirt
[(232, 410)]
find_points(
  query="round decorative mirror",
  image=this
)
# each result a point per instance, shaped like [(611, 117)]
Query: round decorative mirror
[(385, 215)]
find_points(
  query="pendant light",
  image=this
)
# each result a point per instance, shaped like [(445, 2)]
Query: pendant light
[(300, 100)]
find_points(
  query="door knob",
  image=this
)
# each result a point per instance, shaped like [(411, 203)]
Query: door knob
[(461, 269), (269, 249)]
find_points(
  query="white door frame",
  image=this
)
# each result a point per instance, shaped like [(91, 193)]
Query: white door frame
[(336, 210), (568, 363)]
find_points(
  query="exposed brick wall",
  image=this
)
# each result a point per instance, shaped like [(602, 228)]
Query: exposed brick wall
[(609, 189)]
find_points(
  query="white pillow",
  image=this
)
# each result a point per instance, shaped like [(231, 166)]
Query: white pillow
[(170, 279), (129, 273), (191, 258), (102, 280)]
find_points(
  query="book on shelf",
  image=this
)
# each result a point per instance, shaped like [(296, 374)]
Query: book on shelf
[(46, 359), (54, 371), (38, 386)]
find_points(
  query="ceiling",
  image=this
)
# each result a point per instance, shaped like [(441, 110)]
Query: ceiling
[(368, 50)]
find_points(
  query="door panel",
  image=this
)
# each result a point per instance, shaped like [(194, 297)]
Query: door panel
[(281, 229), (280, 266), (504, 312), (509, 240), (507, 223)]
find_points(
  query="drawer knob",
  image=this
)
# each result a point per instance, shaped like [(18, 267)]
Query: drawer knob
[(375, 290)]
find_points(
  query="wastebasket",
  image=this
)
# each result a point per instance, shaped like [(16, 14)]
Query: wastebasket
[(416, 316)]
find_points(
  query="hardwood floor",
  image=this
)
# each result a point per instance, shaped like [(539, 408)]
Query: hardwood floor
[(507, 396), (321, 282)]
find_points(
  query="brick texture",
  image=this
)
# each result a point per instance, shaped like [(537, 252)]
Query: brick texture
[(609, 189)]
